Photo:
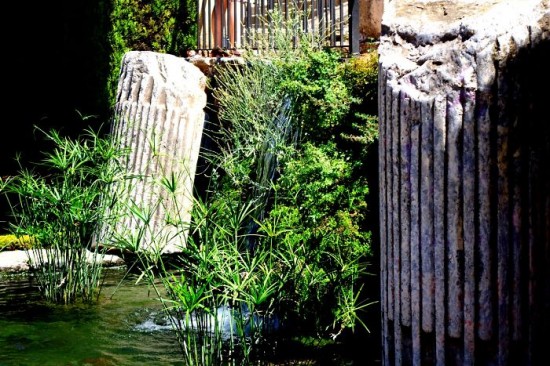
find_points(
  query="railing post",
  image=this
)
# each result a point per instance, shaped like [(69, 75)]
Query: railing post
[(354, 26), (237, 18)]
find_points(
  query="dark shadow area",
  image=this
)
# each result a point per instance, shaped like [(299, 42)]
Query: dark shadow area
[(524, 112), (184, 34), (56, 73), (366, 346)]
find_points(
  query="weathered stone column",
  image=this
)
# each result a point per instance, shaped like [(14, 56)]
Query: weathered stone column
[(159, 116), (464, 97)]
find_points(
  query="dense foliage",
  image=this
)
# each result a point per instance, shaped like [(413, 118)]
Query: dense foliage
[(278, 241), (300, 164)]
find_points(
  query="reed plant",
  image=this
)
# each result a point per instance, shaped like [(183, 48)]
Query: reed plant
[(58, 203), (276, 245), (314, 204), (232, 293), (218, 295)]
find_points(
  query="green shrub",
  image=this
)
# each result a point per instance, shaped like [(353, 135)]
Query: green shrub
[(313, 209)]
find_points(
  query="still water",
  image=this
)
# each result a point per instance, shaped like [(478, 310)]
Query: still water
[(125, 328), (120, 330)]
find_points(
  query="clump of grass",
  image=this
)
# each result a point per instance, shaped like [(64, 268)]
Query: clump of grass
[(57, 204), (220, 298)]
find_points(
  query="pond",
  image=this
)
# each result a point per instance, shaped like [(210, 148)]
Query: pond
[(124, 328), (119, 330)]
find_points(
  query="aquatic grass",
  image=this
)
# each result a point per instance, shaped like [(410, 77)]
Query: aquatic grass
[(214, 295), (186, 289), (231, 290), (193, 315), (59, 204), (276, 243)]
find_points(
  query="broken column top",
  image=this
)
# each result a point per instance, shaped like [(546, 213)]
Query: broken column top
[(160, 79), (429, 46), (431, 21)]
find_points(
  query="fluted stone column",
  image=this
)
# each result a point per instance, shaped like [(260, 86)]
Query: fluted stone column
[(159, 117), (464, 98)]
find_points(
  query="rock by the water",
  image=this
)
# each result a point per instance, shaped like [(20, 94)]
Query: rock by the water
[(21, 261)]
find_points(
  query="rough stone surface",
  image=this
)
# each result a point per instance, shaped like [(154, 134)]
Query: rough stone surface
[(465, 181), (159, 117), (370, 18), (207, 65)]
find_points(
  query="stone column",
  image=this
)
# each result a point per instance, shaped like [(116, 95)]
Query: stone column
[(159, 117), (464, 91)]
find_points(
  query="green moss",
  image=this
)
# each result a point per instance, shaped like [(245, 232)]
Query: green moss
[(12, 242)]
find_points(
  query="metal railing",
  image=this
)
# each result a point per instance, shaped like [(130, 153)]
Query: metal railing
[(238, 23)]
